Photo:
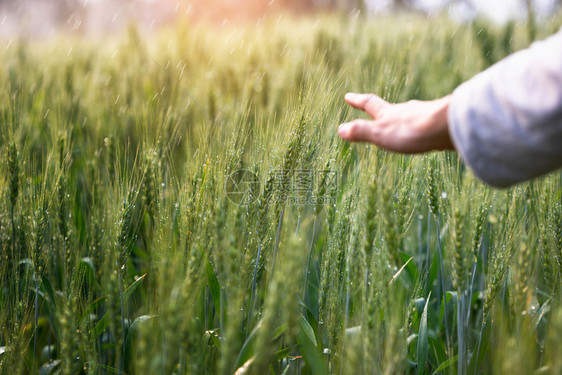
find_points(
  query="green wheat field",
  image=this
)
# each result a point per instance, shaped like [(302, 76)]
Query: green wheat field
[(180, 203)]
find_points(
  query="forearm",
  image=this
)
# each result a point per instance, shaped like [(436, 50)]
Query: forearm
[(506, 122)]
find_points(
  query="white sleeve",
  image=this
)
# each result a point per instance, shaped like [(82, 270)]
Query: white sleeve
[(506, 122)]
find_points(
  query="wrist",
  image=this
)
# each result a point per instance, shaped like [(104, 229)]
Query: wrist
[(441, 123)]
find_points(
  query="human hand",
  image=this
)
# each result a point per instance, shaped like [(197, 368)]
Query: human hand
[(411, 127)]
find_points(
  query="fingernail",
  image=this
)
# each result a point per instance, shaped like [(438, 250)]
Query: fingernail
[(343, 130), (350, 95)]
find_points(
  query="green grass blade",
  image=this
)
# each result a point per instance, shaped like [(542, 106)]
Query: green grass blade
[(101, 325), (213, 283), (422, 339), (445, 365), (310, 353), (131, 288)]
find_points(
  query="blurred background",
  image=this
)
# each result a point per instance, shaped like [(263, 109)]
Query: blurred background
[(40, 18)]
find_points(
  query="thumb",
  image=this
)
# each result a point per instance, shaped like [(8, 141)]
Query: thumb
[(357, 131)]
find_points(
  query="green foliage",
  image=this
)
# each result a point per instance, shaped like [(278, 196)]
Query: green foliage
[(125, 250)]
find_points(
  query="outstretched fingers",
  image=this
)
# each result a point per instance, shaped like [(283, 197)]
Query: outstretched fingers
[(370, 103), (410, 127)]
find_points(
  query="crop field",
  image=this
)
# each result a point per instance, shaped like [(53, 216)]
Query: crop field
[(179, 203)]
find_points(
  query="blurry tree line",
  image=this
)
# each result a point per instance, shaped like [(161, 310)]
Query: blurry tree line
[(398, 5), (66, 6), (62, 12)]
